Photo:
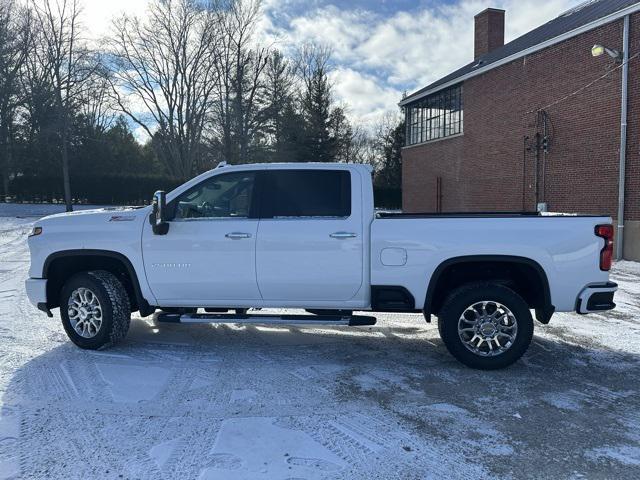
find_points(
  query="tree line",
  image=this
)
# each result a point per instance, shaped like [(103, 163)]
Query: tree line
[(188, 76)]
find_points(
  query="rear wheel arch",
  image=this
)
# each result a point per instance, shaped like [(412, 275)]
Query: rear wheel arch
[(524, 275), (61, 266)]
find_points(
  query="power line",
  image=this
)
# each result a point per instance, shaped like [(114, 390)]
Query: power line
[(581, 89)]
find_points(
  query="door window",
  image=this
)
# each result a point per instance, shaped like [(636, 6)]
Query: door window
[(222, 196), (306, 194)]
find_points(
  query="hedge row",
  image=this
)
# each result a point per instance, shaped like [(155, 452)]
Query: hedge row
[(111, 189), (119, 189)]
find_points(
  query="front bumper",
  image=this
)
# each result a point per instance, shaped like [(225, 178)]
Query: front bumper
[(37, 293), (596, 297)]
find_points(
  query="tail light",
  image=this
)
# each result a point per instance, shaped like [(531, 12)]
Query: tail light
[(606, 254)]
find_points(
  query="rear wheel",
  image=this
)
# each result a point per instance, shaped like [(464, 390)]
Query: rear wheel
[(485, 326), (95, 309)]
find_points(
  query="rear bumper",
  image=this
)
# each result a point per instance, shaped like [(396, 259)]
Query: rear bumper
[(596, 297), (37, 293)]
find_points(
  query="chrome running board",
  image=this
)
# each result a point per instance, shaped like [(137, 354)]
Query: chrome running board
[(351, 320)]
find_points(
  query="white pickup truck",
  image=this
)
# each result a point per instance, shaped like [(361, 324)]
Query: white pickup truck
[(307, 236)]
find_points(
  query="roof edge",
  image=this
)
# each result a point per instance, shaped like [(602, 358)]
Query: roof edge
[(540, 46)]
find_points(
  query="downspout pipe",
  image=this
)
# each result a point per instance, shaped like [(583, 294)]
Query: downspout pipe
[(623, 140)]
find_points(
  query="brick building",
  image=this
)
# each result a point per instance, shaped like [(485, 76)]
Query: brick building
[(535, 123)]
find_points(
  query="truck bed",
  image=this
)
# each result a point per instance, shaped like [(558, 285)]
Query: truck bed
[(406, 249)]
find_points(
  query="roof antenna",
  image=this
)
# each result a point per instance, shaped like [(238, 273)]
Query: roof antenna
[(221, 164)]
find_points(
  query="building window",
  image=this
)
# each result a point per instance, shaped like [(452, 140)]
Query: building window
[(437, 116)]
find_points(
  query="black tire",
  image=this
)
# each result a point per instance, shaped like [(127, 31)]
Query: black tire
[(114, 303), (462, 298)]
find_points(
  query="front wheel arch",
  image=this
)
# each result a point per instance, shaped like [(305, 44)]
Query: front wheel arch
[(61, 266)]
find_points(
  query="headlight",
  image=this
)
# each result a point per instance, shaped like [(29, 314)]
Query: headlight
[(35, 231)]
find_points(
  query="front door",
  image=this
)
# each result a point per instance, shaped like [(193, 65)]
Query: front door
[(310, 238), (208, 255)]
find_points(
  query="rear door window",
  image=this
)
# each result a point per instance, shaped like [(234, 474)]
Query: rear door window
[(306, 194)]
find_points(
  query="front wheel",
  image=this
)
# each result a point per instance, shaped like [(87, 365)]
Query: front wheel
[(485, 326), (95, 309)]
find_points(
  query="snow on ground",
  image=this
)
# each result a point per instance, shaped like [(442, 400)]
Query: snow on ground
[(36, 210), (234, 402)]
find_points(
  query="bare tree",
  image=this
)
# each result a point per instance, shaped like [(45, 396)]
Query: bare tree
[(313, 60), (68, 63), (361, 148), (240, 69), (15, 39), (164, 76), (38, 109), (96, 103)]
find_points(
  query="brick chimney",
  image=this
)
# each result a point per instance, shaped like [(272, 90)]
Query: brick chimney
[(489, 31)]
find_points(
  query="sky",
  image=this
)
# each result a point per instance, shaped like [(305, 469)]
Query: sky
[(381, 48)]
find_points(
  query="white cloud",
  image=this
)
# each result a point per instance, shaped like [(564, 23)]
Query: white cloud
[(98, 14), (413, 49), (339, 29), (368, 100), (381, 56)]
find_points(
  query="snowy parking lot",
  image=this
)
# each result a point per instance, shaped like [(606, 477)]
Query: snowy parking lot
[(251, 402)]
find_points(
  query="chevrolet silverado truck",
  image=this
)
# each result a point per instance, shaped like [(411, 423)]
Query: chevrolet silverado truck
[(307, 236)]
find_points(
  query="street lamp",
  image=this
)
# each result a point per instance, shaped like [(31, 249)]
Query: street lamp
[(599, 50), (623, 59)]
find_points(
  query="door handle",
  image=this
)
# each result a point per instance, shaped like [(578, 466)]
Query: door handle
[(237, 235), (343, 235)]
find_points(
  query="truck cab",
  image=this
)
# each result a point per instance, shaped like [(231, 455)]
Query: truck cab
[(266, 236)]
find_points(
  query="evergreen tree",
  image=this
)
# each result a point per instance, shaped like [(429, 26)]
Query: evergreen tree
[(342, 135), (313, 67), (113, 151), (292, 145), (279, 113), (316, 103), (390, 144)]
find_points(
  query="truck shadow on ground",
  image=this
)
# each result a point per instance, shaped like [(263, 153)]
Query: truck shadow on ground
[(577, 407)]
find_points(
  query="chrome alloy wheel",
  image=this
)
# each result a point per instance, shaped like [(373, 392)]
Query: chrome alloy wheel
[(487, 328), (85, 312)]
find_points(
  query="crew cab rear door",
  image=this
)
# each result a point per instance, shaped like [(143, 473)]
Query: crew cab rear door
[(310, 236), (207, 257)]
